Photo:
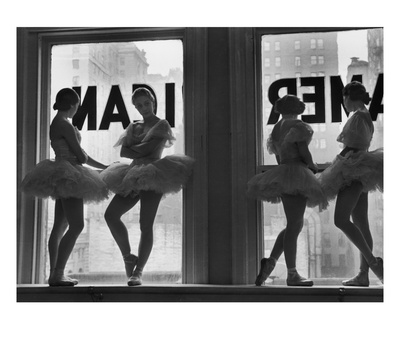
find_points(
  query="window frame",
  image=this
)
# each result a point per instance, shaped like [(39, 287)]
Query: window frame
[(260, 167), (33, 78)]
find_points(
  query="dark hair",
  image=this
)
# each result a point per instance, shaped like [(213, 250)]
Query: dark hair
[(142, 91), (289, 104), (356, 91), (65, 99)]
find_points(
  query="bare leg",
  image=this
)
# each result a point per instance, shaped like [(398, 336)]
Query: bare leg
[(118, 206), (347, 203), (59, 227), (70, 210), (73, 209), (149, 202), (277, 250), (294, 207), (360, 219)]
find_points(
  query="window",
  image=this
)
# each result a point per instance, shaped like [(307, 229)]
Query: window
[(267, 62), (320, 239), (277, 46), (297, 45), (313, 60), (267, 46), (297, 61), (96, 253), (75, 64), (327, 260), (298, 80), (277, 61), (342, 261)]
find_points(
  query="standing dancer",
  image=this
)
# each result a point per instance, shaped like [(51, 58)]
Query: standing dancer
[(353, 173), (291, 182), (68, 182), (147, 178)]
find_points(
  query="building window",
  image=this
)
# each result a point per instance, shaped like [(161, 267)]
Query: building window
[(341, 240), (267, 46), (321, 60), (297, 61), (267, 62), (277, 46), (75, 64), (313, 43), (277, 76), (277, 61), (76, 80), (297, 45), (342, 260), (313, 60), (327, 260), (267, 79), (298, 80), (327, 240), (320, 43)]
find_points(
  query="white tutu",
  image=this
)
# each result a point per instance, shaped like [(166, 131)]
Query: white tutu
[(362, 166), (290, 179), (165, 175), (62, 179)]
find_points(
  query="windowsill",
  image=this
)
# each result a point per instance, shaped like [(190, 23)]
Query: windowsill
[(198, 293)]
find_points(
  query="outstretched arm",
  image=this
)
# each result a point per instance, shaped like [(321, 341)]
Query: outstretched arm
[(95, 164)]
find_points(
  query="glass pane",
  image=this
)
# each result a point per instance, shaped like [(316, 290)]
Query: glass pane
[(315, 66), (109, 71)]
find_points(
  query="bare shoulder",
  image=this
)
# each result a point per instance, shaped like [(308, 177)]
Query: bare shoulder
[(61, 128)]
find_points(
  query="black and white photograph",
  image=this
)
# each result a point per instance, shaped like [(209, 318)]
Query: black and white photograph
[(219, 176)]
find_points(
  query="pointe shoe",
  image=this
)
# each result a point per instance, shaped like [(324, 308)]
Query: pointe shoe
[(130, 264), (267, 266), (295, 279), (60, 280), (377, 268), (360, 280), (75, 281), (135, 279)]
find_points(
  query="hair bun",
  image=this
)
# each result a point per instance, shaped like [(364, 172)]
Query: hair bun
[(289, 104), (356, 91)]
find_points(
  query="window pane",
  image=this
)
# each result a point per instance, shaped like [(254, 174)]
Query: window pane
[(113, 68), (322, 252)]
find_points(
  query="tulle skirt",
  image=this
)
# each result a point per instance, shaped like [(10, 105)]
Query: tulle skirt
[(290, 179), (165, 175), (61, 180), (362, 166)]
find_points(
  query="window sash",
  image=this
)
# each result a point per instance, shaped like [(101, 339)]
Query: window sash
[(30, 260)]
